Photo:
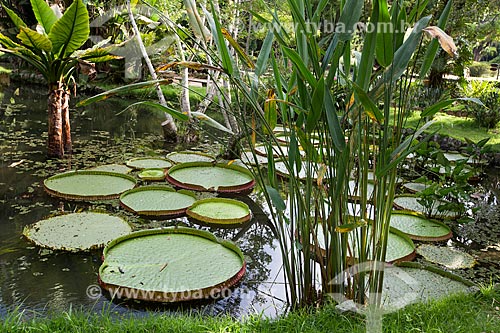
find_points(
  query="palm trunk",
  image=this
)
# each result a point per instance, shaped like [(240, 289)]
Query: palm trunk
[(59, 132)]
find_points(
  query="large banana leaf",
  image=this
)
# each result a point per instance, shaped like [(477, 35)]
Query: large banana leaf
[(34, 40), (72, 30), (44, 14)]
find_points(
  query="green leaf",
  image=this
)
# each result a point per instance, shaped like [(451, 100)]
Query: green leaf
[(213, 20), (8, 43), (96, 55), (44, 14), (349, 18), (316, 106), (18, 22), (433, 109), (174, 113), (405, 52), (211, 122), (71, 31), (369, 105), (276, 199), (34, 40), (296, 60), (433, 47), (260, 67), (333, 122), (121, 90), (384, 46)]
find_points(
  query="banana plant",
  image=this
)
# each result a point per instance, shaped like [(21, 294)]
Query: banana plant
[(53, 50)]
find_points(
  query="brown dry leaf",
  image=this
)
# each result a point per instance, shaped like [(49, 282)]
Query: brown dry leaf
[(444, 40)]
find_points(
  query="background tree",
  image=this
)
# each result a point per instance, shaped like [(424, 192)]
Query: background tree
[(52, 49)]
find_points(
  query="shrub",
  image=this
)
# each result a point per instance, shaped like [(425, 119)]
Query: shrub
[(479, 69), (487, 115)]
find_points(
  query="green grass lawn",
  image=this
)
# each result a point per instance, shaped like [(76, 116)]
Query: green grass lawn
[(468, 313), (459, 128)]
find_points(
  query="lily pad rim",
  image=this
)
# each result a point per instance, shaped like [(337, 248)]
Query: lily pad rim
[(160, 296), (152, 178), (162, 213), (222, 189), (422, 216), (58, 194), (215, 221), (147, 158), (98, 247), (187, 152)]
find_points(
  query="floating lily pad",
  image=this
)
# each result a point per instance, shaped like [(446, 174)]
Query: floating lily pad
[(118, 168), (76, 232), (189, 156), (152, 174), (278, 151), (170, 265), (399, 246), (158, 201), (414, 187), (248, 158), (407, 283), (149, 163), (446, 256), (355, 190), (202, 176), (220, 211), (454, 157), (316, 168), (88, 185), (407, 202), (420, 228)]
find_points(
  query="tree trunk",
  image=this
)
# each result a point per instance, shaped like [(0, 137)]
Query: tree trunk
[(169, 127), (59, 132)]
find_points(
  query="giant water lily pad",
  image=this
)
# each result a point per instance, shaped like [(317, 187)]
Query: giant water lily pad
[(420, 228), (189, 156), (221, 211), (414, 283), (446, 256), (355, 190), (414, 187), (249, 158), (149, 163), (202, 176), (170, 265), (408, 202), (399, 246), (158, 201), (278, 150), (76, 232), (152, 174), (88, 185), (118, 168), (311, 168)]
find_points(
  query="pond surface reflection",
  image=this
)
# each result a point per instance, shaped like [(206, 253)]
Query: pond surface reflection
[(43, 281)]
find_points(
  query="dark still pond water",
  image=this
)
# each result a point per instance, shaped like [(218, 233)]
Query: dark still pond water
[(43, 281)]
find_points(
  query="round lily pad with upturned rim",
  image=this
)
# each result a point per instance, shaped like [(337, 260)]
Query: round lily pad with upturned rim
[(149, 163), (189, 156), (157, 201), (399, 246), (77, 231), (88, 185), (152, 174), (410, 203), (221, 211), (203, 176), (418, 227), (118, 168), (414, 187), (446, 256), (170, 265)]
